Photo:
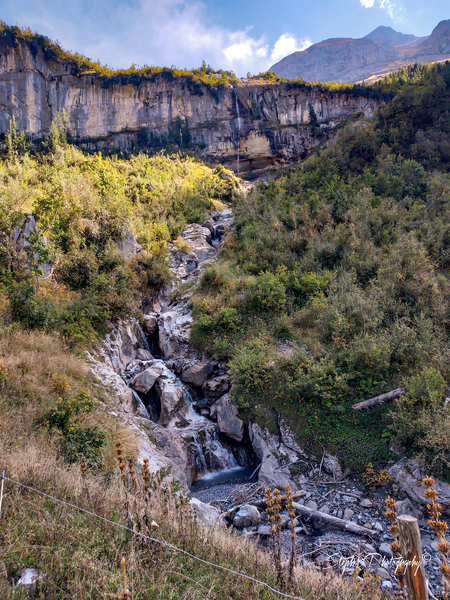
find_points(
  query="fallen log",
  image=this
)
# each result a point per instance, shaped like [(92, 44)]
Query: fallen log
[(334, 521), (379, 399)]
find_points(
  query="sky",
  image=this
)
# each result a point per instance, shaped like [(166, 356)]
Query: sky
[(246, 36)]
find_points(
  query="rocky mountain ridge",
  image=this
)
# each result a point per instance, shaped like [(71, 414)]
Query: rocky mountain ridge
[(268, 123), (368, 58)]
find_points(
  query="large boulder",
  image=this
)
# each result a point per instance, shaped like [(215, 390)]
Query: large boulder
[(123, 343), (128, 246), (246, 516), (207, 514), (216, 387), (197, 374), (332, 467), (227, 420), (143, 382), (408, 475), (174, 331), (150, 324), (271, 470)]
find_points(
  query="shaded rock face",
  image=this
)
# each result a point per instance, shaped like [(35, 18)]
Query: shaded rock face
[(34, 90), (227, 419), (408, 475), (352, 61)]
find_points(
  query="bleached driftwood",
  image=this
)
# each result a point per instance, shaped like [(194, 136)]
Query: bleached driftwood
[(334, 521), (380, 399)]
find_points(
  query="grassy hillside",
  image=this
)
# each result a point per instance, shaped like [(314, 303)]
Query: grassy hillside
[(84, 205), (53, 412), (345, 257)]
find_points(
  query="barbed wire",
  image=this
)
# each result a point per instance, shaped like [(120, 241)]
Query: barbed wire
[(152, 539)]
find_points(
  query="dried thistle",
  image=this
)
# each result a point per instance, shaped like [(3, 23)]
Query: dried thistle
[(83, 468), (121, 463), (124, 595), (132, 472), (391, 515), (291, 509), (440, 528)]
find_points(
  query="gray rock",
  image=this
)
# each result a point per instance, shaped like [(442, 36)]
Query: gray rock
[(348, 514), (197, 374), (270, 471), (408, 475), (143, 382), (227, 419), (247, 516), (207, 514), (366, 503), (128, 246), (378, 527), (405, 507), (331, 466), (385, 550), (325, 509), (264, 530), (144, 355), (349, 499), (150, 324), (216, 387), (29, 578), (312, 505)]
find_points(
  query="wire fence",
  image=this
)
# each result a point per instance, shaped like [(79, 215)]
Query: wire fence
[(151, 539)]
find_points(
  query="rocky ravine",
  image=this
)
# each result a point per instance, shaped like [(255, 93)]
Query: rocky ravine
[(179, 407), (269, 128), (178, 404)]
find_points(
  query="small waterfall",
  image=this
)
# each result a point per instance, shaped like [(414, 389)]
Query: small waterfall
[(144, 339), (238, 128), (143, 412), (214, 237)]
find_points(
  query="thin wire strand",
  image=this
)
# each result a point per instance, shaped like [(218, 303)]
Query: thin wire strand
[(162, 542)]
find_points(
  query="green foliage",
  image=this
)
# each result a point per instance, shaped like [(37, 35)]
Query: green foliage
[(77, 438)]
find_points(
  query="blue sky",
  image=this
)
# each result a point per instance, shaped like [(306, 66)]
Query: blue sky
[(244, 36)]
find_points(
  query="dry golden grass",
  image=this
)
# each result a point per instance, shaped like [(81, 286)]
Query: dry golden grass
[(80, 554)]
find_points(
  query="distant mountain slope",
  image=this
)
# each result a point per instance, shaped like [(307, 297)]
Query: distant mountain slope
[(387, 35), (351, 61)]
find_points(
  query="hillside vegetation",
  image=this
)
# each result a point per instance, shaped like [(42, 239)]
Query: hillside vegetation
[(346, 256)]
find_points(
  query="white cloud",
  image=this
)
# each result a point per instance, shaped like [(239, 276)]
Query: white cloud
[(394, 10), (287, 44), (154, 32)]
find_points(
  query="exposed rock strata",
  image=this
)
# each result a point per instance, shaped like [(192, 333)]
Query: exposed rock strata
[(272, 117)]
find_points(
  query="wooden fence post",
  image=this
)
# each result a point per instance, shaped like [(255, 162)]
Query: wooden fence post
[(411, 551)]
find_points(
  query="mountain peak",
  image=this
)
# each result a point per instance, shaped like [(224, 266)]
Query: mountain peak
[(388, 35)]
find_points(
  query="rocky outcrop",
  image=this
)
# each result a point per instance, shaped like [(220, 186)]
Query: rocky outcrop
[(408, 475), (351, 61), (227, 420), (103, 114)]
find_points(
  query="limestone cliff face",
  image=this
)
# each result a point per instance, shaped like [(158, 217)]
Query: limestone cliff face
[(272, 128)]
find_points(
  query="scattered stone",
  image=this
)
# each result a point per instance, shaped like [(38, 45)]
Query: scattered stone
[(348, 514), (143, 382), (405, 507), (366, 503), (128, 246), (349, 499), (264, 530), (246, 516), (385, 550), (216, 387), (378, 527), (434, 546), (312, 505), (197, 374), (29, 578), (143, 354), (325, 509), (332, 467), (368, 525)]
